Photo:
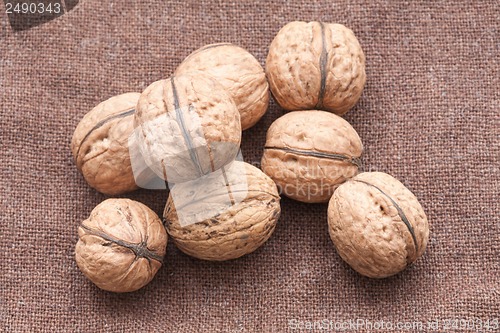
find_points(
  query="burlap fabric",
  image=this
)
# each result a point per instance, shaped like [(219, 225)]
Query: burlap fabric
[(429, 115)]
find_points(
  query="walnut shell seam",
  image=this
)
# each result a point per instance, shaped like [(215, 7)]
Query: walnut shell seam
[(330, 156), (140, 250), (102, 123), (207, 47), (230, 192), (401, 214), (213, 221), (323, 60), (192, 152)]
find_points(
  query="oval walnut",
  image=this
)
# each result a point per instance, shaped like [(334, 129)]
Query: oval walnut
[(187, 127), (377, 225), (309, 153), (316, 65), (237, 228)]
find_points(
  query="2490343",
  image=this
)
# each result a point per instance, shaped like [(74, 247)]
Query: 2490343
[(33, 8), (471, 324)]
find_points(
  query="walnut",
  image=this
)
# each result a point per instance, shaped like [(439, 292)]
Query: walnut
[(100, 145), (309, 153), (121, 245), (249, 210), (377, 224), (187, 127), (238, 72), (316, 65)]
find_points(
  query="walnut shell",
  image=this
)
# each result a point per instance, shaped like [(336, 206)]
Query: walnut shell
[(309, 153), (377, 225), (238, 72), (238, 229), (121, 245), (187, 127), (316, 65), (100, 145)]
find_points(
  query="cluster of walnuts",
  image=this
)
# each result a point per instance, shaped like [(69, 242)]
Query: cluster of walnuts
[(186, 131)]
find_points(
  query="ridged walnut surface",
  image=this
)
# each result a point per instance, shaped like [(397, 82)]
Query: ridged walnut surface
[(100, 145), (309, 153), (366, 223), (237, 231), (121, 245), (188, 126), (238, 72), (316, 65)]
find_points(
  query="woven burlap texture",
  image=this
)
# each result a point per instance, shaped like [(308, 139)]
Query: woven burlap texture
[(429, 115)]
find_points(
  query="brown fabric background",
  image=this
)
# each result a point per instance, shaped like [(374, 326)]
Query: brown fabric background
[(429, 115)]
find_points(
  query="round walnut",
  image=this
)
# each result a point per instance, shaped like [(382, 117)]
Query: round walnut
[(309, 153), (377, 224), (187, 127), (100, 145), (316, 65), (238, 72), (121, 245), (242, 205)]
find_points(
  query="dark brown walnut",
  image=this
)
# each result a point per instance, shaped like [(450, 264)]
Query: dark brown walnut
[(121, 245), (100, 146), (249, 210), (238, 72), (377, 225), (309, 153), (316, 65), (187, 126)]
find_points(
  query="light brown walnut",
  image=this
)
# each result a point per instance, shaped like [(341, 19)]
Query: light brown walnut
[(187, 126), (238, 72), (309, 153), (377, 225), (121, 245), (316, 65), (236, 230), (100, 145)]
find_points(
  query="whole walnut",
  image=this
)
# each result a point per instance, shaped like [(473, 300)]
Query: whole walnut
[(121, 245), (100, 145), (230, 215), (238, 72), (309, 153), (187, 126), (316, 65), (377, 225)]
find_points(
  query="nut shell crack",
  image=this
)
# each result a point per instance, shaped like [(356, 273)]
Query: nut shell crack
[(323, 60), (140, 250), (400, 213), (102, 123), (331, 156)]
